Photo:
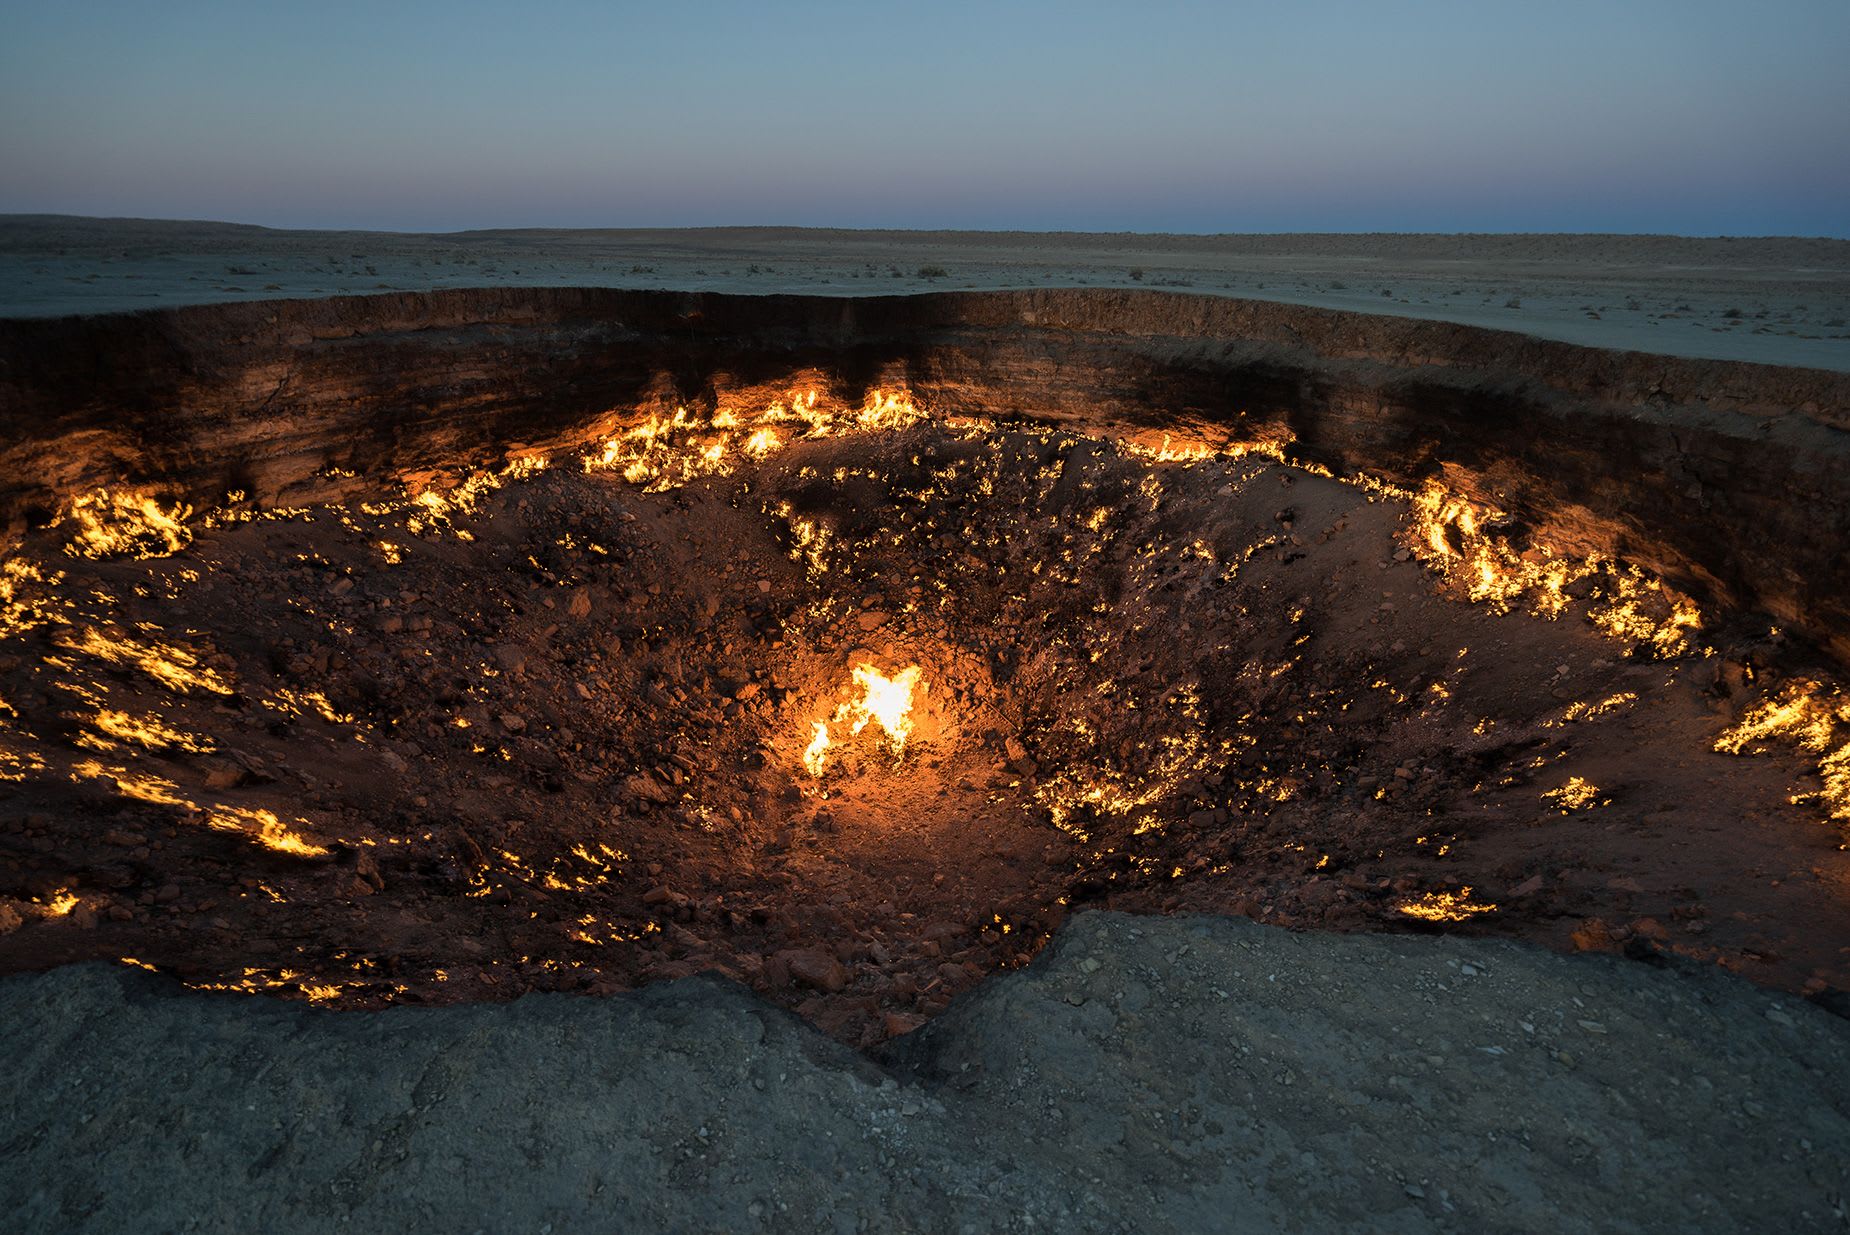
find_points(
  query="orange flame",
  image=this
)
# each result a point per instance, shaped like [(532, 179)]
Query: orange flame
[(817, 751), (884, 701), (887, 701)]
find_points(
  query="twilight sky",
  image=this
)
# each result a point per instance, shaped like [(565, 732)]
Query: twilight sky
[(1690, 116)]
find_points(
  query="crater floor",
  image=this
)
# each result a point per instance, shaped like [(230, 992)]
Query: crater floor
[(547, 730)]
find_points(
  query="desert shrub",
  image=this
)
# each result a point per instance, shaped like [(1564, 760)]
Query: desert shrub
[(932, 272)]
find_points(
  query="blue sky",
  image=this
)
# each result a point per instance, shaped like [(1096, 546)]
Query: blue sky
[(1687, 116)]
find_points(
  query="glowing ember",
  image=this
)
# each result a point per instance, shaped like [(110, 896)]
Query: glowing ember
[(1805, 715), (105, 524), (263, 827), (1443, 906), (61, 904), (148, 731), (1455, 538), (1577, 794)]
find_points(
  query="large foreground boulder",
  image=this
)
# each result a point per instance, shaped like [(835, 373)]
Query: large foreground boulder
[(1143, 1075)]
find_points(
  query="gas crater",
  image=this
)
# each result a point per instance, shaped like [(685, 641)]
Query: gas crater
[(852, 689)]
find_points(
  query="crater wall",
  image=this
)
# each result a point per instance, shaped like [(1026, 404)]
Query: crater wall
[(1726, 479)]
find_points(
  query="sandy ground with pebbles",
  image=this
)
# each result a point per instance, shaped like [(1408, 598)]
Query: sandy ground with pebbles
[(1159, 1075), (1774, 300)]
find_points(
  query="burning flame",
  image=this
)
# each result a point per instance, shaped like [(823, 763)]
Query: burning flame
[(1577, 794), (1803, 716), (885, 701), (105, 524), (265, 828), (1444, 906), (661, 450), (175, 668), (886, 409), (1203, 443), (23, 605), (148, 731), (1806, 715), (1454, 537), (818, 748)]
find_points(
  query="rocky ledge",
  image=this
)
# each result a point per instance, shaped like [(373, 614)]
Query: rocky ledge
[(1142, 1074)]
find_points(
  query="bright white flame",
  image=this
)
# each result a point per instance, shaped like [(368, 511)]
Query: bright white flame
[(887, 700), (817, 750)]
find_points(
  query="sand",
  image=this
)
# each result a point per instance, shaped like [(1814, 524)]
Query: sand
[(1770, 300)]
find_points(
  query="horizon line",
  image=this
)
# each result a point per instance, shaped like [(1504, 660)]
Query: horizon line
[(6, 216)]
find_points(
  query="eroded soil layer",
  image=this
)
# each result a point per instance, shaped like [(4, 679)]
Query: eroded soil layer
[(549, 732)]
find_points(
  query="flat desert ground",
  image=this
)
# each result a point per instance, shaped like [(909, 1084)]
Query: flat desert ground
[(1776, 300)]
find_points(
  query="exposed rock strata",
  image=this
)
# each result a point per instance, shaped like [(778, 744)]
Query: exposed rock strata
[(1722, 477)]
